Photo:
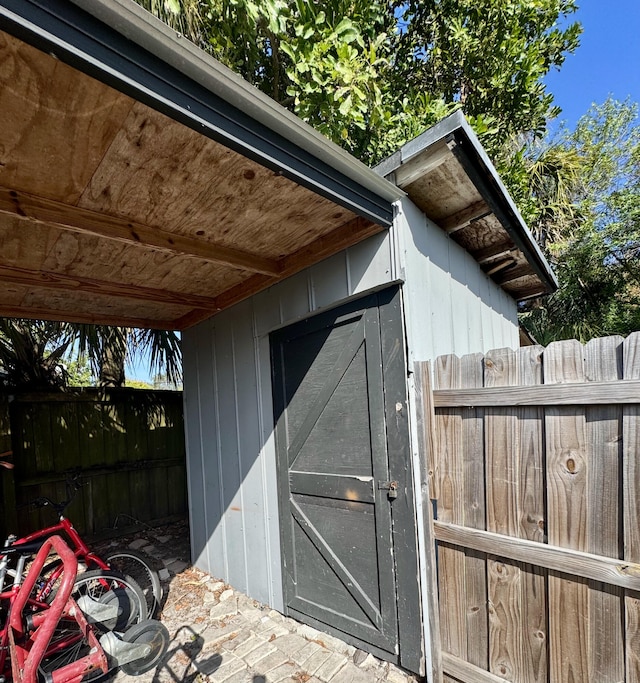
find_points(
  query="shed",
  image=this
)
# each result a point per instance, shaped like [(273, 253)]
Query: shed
[(144, 184)]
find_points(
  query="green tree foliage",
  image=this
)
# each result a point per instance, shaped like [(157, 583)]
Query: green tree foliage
[(593, 239), (31, 354), (489, 56), (372, 74)]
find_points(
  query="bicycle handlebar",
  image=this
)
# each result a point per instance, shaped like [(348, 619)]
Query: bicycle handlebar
[(72, 484)]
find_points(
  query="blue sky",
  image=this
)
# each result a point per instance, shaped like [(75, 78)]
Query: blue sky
[(607, 61)]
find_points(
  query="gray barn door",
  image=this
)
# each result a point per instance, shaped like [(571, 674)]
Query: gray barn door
[(335, 383)]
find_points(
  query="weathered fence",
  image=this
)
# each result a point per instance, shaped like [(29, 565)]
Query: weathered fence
[(535, 479), (127, 445)]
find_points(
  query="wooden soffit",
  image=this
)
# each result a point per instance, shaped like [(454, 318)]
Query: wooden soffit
[(113, 212), (448, 175)]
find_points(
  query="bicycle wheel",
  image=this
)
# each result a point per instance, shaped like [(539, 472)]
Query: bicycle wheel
[(106, 587), (140, 567), (110, 587), (151, 633)]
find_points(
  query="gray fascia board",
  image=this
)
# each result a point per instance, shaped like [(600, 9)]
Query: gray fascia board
[(110, 40), (472, 155)]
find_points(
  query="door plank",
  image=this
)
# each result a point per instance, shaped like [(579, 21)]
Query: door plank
[(348, 580)]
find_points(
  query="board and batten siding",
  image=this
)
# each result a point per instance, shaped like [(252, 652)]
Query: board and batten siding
[(231, 460), (450, 306)]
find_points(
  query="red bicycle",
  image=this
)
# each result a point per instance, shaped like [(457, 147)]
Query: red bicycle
[(64, 641), (131, 563)]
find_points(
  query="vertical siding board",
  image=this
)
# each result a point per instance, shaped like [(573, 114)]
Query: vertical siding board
[(330, 281), (295, 297), (604, 363), (458, 302), (273, 562), (195, 402), (532, 520), (440, 297), (451, 560), (211, 525), (567, 482), (229, 454), (251, 473), (369, 263), (631, 506)]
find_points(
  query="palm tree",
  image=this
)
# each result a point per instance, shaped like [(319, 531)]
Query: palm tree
[(32, 352)]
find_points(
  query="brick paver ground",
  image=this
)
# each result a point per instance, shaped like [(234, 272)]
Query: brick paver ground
[(219, 635)]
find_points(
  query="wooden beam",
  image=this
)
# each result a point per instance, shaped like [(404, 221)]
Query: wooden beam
[(35, 313), (494, 251), (523, 270), (71, 283), (422, 164), (575, 394), (466, 672), (461, 219), (611, 571), (501, 266), (337, 240), (65, 217)]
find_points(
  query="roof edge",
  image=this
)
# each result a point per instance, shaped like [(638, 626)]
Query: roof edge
[(480, 169)]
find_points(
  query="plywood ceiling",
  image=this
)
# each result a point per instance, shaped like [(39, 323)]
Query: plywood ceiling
[(113, 213)]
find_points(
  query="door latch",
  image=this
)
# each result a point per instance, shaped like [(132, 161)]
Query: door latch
[(391, 487)]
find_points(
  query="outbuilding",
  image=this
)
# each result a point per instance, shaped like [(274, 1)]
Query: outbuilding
[(144, 184)]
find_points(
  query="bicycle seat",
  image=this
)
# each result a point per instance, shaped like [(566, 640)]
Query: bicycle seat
[(22, 548)]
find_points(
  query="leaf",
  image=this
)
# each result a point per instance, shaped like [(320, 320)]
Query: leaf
[(172, 6), (345, 106)]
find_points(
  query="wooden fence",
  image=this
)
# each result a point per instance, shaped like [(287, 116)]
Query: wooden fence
[(127, 444), (534, 475)]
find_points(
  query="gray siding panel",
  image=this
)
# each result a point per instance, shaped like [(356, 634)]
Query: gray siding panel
[(231, 449), (451, 305)]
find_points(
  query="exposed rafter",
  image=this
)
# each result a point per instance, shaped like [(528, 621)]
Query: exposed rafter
[(28, 207), (71, 283), (493, 252), (462, 219), (36, 313)]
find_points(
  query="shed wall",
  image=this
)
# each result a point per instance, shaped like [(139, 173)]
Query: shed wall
[(231, 459), (450, 306)]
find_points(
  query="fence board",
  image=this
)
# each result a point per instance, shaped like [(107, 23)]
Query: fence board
[(504, 578), (425, 428), (474, 516), (567, 488), (531, 519), (128, 445), (451, 561), (631, 510), (546, 449), (606, 654)]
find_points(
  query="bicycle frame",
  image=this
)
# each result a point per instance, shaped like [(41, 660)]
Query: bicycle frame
[(79, 547), (27, 649)]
